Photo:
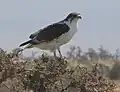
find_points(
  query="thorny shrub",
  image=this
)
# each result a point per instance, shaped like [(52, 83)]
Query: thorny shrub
[(115, 71), (50, 75)]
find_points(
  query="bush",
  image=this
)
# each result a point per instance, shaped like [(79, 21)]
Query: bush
[(50, 75), (115, 71)]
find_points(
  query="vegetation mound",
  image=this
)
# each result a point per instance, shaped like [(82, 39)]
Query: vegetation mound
[(47, 74)]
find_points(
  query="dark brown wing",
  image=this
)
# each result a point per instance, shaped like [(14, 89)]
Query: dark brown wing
[(47, 34), (52, 32)]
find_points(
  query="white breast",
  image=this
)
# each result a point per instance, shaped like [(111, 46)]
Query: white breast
[(65, 38), (73, 28)]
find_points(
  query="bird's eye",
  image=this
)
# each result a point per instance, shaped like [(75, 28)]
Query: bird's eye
[(74, 16)]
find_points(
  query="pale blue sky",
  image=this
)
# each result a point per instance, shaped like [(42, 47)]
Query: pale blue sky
[(100, 24)]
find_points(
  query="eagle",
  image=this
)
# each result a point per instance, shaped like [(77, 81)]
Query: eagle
[(54, 35)]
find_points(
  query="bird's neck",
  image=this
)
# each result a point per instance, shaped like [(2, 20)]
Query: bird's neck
[(72, 24), (73, 28)]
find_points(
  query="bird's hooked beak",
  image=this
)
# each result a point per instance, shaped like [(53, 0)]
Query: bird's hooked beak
[(79, 16)]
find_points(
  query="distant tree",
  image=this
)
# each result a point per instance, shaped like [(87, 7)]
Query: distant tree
[(78, 53), (71, 52), (111, 57), (92, 54), (103, 53), (84, 56), (117, 54)]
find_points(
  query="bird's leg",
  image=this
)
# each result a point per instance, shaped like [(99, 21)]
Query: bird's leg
[(60, 53), (55, 54)]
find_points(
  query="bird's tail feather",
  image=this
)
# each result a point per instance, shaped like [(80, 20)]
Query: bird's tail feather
[(25, 43)]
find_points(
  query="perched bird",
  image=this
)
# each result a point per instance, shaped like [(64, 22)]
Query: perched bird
[(55, 35)]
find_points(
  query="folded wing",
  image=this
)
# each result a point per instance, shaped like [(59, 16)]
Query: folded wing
[(47, 34), (52, 32)]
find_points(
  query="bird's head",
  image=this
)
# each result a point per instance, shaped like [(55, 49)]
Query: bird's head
[(73, 17)]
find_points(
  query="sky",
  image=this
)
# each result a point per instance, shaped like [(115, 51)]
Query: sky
[(100, 24)]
